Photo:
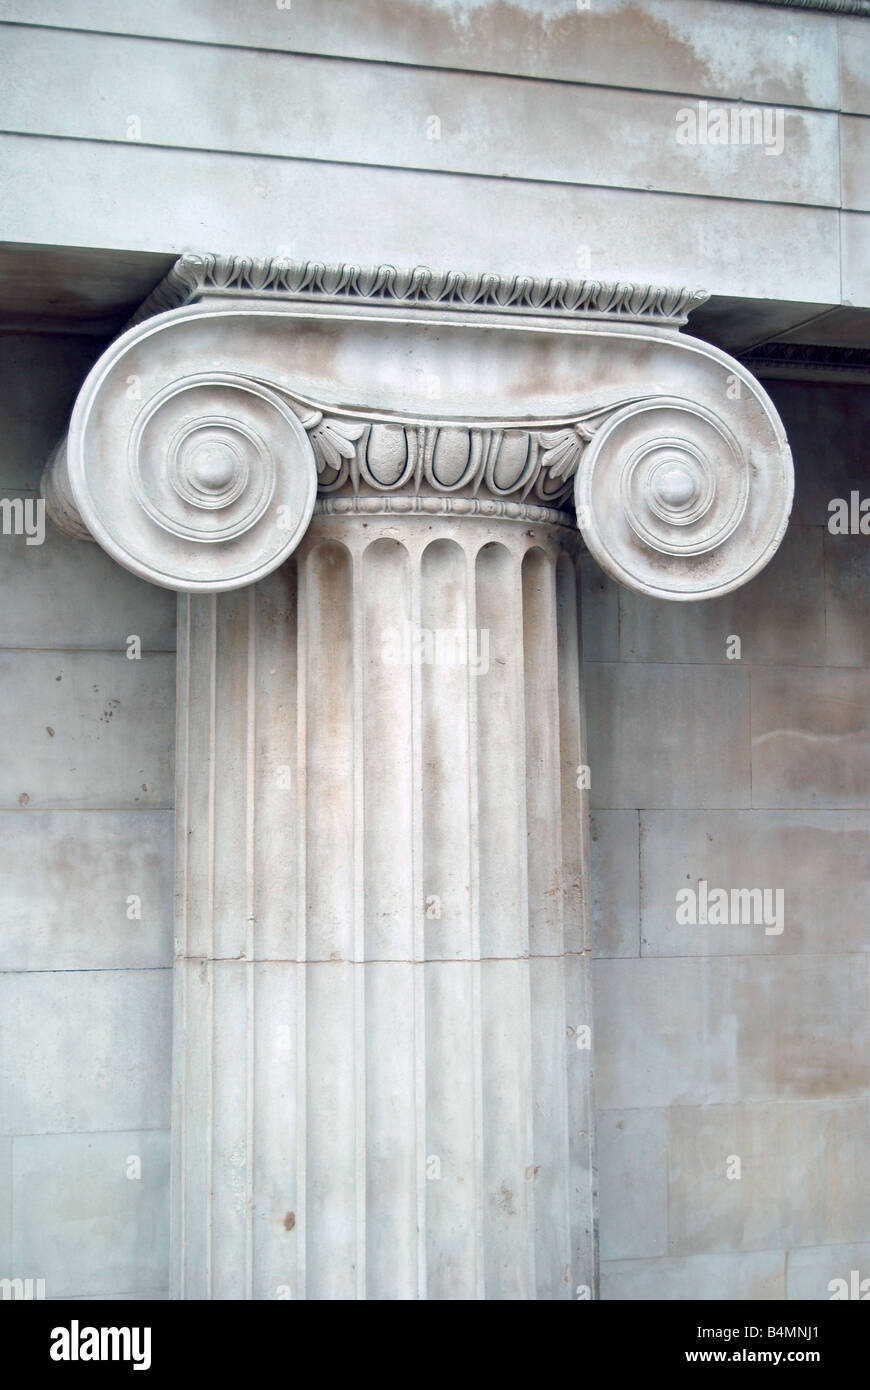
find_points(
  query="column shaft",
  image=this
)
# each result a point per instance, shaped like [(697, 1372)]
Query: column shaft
[(381, 962)]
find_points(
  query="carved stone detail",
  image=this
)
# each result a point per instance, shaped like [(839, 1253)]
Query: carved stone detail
[(213, 461), (670, 505), (403, 505), (194, 276), (205, 480), (500, 458)]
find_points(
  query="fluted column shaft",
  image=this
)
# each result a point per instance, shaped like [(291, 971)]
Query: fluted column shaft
[(382, 870)]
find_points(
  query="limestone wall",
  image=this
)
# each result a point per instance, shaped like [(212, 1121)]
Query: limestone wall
[(537, 136), (86, 792), (721, 1041)]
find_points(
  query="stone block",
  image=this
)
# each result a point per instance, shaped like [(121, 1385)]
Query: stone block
[(614, 877), (84, 1050), (647, 745), (94, 730), (632, 1183), (817, 858), (745, 1177), (67, 593), (67, 882), (812, 1269), (83, 1221), (779, 616), (810, 737), (847, 599), (727, 1030), (737, 1278), (600, 612)]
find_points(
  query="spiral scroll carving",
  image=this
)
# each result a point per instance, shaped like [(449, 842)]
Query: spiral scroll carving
[(215, 463), (201, 439), (671, 504)]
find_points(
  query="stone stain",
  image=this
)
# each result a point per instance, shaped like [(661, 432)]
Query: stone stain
[(511, 40), (506, 1200), (289, 1221), (108, 712)]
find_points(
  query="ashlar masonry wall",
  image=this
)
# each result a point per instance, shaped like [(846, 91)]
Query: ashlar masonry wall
[(733, 1062)]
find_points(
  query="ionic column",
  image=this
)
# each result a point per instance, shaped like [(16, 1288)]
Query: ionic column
[(381, 969), (361, 484)]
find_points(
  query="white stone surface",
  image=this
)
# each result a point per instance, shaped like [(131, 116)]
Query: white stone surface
[(81, 1222), (6, 1205), (615, 883), (66, 595), (818, 858), (756, 1275), (69, 879), (668, 758), (705, 46), (88, 1050), (544, 228), (812, 1269), (780, 617), (420, 1003), (810, 737), (796, 1184), (489, 125), (633, 1168), (95, 730), (730, 1029)]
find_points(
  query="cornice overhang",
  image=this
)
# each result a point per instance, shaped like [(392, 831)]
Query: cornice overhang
[(810, 362), (195, 278), (246, 393), (857, 7)]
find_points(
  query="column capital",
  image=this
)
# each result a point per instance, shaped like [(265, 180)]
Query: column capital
[(245, 393)]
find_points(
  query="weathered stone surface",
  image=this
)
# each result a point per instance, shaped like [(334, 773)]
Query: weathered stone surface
[(615, 896), (703, 46), (747, 1045), (6, 1207), (847, 600), (95, 730), (66, 595), (694, 1180), (759, 1275), (679, 492), (658, 238), (779, 617), (60, 1075), (810, 737), (82, 1223), (632, 1157), (854, 66), (856, 258), (413, 1080), (600, 612), (492, 125), (817, 858), (729, 1030), (647, 747), (775, 1197), (70, 883), (855, 162), (812, 1269)]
